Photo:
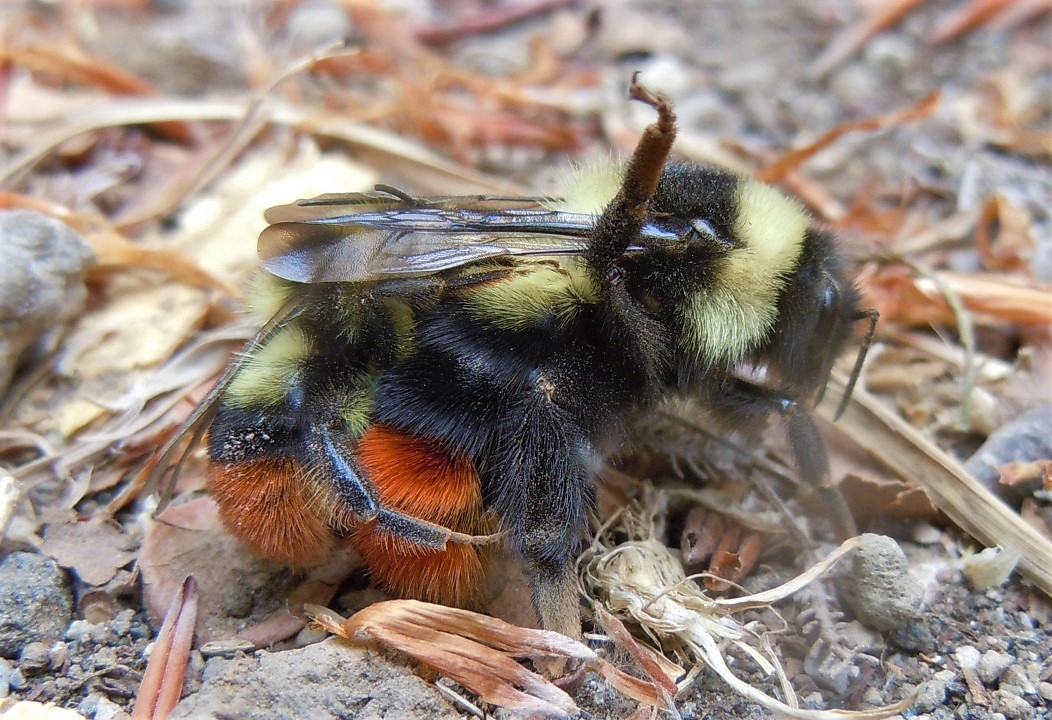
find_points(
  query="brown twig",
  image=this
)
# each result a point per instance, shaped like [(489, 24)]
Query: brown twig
[(488, 20)]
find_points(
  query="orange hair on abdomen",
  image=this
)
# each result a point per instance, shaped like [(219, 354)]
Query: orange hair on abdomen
[(425, 481), (265, 504)]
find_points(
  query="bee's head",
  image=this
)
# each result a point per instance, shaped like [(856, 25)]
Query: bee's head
[(736, 248)]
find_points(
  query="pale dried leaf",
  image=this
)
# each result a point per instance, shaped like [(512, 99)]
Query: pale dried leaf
[(991, 567), (94, 549)]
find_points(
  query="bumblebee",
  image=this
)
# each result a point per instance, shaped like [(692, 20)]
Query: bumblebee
[(442, 373)]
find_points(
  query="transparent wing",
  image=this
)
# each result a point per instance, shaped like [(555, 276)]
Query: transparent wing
[(358, 236)]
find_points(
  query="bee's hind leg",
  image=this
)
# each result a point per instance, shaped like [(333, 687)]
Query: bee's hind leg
[(412, 509), (544, 495), (427, 534), (361, 504)]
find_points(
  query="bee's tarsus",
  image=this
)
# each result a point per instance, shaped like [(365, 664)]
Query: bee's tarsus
[(478, 540), (395, 192)]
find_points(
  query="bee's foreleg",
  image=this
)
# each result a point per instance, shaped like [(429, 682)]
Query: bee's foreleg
[(744, 403)]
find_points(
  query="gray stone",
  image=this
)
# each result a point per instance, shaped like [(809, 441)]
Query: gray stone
[(35, 601), (931, 695), (992, 665), (33, 657), (41, 284), (1027, 437), (7, 669), (1011, 705), (331, 679), (876, 584), (1015, 680)]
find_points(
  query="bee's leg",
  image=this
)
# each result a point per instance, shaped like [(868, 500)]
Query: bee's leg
[(545, 494), (744, 403), (357, 502), (427, 534), (412, 509), (623, 218)]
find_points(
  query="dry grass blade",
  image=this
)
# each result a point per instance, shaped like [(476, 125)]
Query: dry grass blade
[(962, 20), (251, 124), (853, 38), (778, 169), (116, 251), (478, 652), (73, 65), (10, 496), (438, 171), (929, 300), (650, 665), (790, 587), (474, 650), (162, 683), (488, 20), (889, 438)]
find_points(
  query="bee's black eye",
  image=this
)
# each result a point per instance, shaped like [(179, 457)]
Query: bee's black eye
[(615, 276)]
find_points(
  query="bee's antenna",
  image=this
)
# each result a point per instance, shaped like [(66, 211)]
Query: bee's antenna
[(873, 316), (620, 223)]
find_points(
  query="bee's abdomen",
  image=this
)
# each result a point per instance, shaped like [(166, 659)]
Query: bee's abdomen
[(423, 480), (264, 502)]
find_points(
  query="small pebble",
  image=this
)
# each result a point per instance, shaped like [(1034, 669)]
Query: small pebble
[(1014, 680), (667, 74), (6, 669), (35, 601), (873, 698), (122, 624), (992, 665), (1011, 705), (317, 22), (890, 55), (34, 657), (17, 679), (309, 636), (814, 701), (1044, 689), (105, 657), (58, 654), (967, 657), (932, 694), (79, 631), (877, 585), (108, 710)]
